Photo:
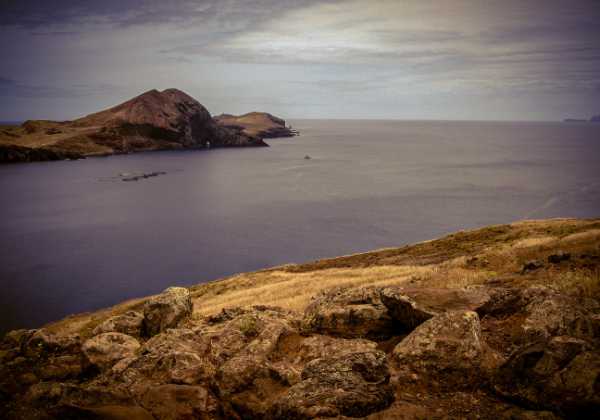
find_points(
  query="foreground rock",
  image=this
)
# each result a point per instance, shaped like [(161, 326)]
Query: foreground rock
[(490, 351), (354, 385), (447, 349), (104, 350), (166, 310), (349, 313), (412, 306), (154, 120)]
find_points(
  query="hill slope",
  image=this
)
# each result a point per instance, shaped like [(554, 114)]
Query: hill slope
[(260, 124), (499, 322), (153, 120)]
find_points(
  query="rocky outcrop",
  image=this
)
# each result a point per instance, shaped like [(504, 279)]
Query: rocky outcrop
[(412, 306), (104, 350), (129, 323), (375, 352), (11, 153), (259, 124), (166, 310), (154, 120), (349, 313), (353, 385)]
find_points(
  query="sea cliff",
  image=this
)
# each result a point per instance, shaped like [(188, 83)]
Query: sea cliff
[(154, 120), (499, 322)]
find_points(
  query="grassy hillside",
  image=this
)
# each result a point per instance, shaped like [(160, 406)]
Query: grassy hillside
[(492, 254)]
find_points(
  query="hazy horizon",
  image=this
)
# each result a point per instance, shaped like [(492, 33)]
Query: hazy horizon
[(344, 59)]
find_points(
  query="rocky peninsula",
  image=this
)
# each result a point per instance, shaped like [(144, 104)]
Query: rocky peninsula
[(154, 120), (501, 322), (259, 124)]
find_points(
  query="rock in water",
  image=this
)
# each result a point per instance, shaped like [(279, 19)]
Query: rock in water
[(167, 310)]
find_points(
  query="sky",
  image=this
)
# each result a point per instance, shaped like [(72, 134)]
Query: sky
[(375, 59)]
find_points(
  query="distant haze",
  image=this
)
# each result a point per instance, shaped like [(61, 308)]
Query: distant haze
[(416, 59)]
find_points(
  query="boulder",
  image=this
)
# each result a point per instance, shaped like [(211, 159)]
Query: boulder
[(175, 402), (45, 342), (446, 348), (561, 374), (349, 313), (167, 310), (129, 323), (61, 367), (104, 350), (352, 385), (412, 306)]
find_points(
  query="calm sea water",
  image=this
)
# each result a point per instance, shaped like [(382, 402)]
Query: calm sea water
[(75, 238)]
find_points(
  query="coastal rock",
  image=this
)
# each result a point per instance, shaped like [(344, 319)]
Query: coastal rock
[(43, 342), (175, 402), (167, 310), (104, 350), (412, 306), (447, 348), (129, 323), (561, 374), (349, 313), (61, 367), (353, 385)]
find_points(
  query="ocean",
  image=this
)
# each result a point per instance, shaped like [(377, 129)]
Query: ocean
[(74, 237)]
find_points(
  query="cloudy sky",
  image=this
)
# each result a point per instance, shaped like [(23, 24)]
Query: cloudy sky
[(413, 59)]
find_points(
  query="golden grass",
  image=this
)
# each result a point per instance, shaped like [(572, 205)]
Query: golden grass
[(584, 283), (535, 241), (456, 261), (294, 290)]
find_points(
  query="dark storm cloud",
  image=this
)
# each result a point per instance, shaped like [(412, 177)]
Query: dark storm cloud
[(15, 89), (40, 13), (240, 53)]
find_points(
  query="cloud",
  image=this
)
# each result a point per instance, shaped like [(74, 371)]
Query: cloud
[(15, 89)]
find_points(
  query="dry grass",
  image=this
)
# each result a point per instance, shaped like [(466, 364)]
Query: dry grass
[(456, 261), (294, 290), (585, 283)]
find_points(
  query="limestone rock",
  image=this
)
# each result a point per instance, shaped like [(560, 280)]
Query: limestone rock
[(104, 350), (167, 310)]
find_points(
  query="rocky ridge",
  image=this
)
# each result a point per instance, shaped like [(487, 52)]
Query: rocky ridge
[(260, 124), (154, 120), (507, 348)]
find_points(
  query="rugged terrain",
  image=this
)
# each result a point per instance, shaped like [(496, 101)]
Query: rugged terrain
[(154, 120), (501, 322), (259, 124)]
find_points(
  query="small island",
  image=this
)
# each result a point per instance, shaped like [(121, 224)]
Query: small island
[(154, 120), (594, 119), (260, 124)]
